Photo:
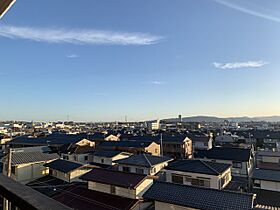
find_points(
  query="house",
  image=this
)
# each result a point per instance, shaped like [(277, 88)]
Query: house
[(77, 153), (67, 170), (199, 173), (128, 185), (107, 157), (201, 142), (266, 179), (143, 164), (173, 145), (268, 160), (99, 137), (135, 147), (242, 160), (27, 166), (170, 196)]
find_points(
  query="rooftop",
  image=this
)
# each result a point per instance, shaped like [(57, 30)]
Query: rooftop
[(199, 197), (266, 174), (225, 153), (64, 166), (145, 160), (112, 177), (198, 166)]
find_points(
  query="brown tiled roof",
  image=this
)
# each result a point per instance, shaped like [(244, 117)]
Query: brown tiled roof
[(112, 177)]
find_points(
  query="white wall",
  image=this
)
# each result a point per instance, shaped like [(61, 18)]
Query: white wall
[(168, 206)]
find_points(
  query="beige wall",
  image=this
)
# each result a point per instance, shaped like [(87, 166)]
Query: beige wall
[(215, 181), (153, 148), (69, 177), (168, 206)]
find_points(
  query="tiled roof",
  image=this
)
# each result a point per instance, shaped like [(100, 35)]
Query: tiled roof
[(267, 199), (265, 174), (225, 153), (85, 199), (199, 197), (146, 160), (64, 166), (31, 157), (136, 144), (198, 166), (53, 139), (112, 177), (165, 138), (104, 153)]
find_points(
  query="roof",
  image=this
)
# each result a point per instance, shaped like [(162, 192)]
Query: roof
[(108, 154), (268, 153), (267, 199), (84, 199), (145, 160), (265, 174), (225, 153), (52, 139), (198, 197), (31, 157), (64, 166), (135, 144), (112, 177), (26, 197), (173, 138), (198, 166)]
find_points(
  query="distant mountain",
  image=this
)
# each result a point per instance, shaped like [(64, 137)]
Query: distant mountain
[(221, 119)]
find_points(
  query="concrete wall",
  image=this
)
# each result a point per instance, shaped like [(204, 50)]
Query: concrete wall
[(147, 170)]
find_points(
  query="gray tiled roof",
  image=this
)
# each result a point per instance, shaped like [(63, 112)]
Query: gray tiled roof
[(265, 174), (64, 166), (31, 157), (146, 160), (199, 166), (199, 197)]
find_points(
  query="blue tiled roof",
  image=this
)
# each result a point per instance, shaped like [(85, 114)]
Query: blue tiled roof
[(265, 174), (198, 166), (53, 139), (199, 197), (64, 166), (156, 138), (225, 153), (136, 144), (106, 153), (146, 160)]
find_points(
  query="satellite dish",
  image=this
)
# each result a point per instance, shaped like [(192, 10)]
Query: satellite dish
[(5, 5)]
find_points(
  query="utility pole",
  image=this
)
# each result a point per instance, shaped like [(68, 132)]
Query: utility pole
[(161, 147), (9, 169)]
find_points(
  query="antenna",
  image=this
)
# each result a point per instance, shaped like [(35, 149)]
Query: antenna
[(161, 147)]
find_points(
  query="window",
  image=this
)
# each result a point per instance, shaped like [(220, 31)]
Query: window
[(113, 189), (203, 182), (188, 179), (156, 151), (13, 170), (102, 160), (126, 169), (237, 164), (86, 158), (139, 171), (177, 179)]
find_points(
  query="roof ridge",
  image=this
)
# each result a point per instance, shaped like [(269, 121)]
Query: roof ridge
[(147, 160), (208, 166)]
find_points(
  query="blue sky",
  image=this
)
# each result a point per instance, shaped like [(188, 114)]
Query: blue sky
[(102, 60)]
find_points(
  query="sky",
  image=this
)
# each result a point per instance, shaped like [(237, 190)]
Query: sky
[(102, 60)]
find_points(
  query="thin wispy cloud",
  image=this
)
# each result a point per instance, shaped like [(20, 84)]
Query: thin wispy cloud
[(72, 56), (258, 12), (239, 65), (75, 36), (157, 82)]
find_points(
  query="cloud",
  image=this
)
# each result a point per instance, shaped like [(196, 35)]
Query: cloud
[(72, 56), (86, 36), (238, 65), (258, 12), (157, 82)]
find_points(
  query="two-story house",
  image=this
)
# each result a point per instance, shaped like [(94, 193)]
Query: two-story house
[(199, 173)]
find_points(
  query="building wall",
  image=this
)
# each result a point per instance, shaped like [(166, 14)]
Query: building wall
[(215, 181), (108, 161), (268, 185), (121, 191), (147, 170), (25, 173), (168, 206), (154, 149)]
